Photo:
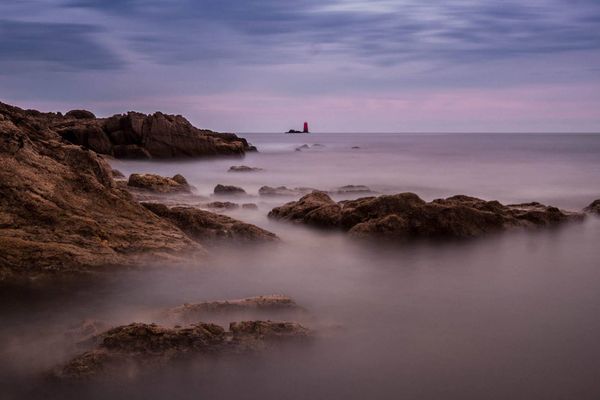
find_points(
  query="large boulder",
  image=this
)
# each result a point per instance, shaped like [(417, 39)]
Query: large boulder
[(139, 347), (80, 114), (405, 215), (210, 228), (228, 190), (61, 211)]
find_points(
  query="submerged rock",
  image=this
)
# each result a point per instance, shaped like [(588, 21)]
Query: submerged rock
[(349, 189), (61, 211), (208, 227), (139, 347), (159, 184), (593, 208), (228, 190), (283, 191), (405, 215), (227, 205), (255, 305), (244, 168)]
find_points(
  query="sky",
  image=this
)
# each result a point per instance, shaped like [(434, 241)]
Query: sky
[(342, 65)]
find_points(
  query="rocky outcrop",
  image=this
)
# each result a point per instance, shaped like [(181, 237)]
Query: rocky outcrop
[(159, 184), (244, 168), (405, 216), (61, 210), (593, 208), (140, 136), (254, 306), (139, 347), (228, 190), (211, 228)]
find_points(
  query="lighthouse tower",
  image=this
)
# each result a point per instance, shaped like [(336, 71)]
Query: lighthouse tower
[(305, 130)]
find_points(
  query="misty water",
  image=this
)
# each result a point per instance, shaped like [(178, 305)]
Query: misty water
[(513, 315)]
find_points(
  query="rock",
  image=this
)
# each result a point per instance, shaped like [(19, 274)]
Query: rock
[(159, 184), (593, 208), (80, 114), (62, 212), (138, 347), (249, 206), (283, 191), (228, 190), (294, 131), (255, 306), (405, 216), (350, 189), (355, 147), (140, 136), (211, 228), (244, 168), (223, 204), (117, 174), (303, 147)]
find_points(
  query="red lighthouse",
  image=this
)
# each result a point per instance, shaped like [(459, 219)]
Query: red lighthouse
[(305, 130)]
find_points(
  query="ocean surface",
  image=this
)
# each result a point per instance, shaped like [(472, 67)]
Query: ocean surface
[(509, 316)]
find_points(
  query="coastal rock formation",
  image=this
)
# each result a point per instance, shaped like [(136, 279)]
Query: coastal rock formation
[(228, 190), (593, 208), (209, 227), (244, 168), (227, 205), (159, 184), (61, 210), (405, 216), (138, 346), (252, 305), (136, 135)]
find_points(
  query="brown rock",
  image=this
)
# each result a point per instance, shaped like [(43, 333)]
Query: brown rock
[(406, 216), (61, 210), (159, 184), (139, 347), (210, 228), (227, 205), (80, 114), (228, 190)]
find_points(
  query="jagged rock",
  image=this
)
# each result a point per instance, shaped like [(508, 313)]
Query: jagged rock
[(159, 184), (223, 204), (61, 211), (140, 136), (350, 189), (244, 168), (283, 191), (228, 190), (405, 216), (80, 114), (208, 227), (256, 306), (593, 208), (139, 347)]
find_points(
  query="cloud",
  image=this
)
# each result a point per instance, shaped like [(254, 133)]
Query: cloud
[(57, 45)]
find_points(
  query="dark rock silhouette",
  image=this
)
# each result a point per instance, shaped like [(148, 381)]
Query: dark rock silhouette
[(593, 208), (244, 168), (228, 190)]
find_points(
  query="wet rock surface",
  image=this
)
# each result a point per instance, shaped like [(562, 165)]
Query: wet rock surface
[(159, 184), (140, 136), (208, 227), (61, 211), (406, 216), (143, 346)]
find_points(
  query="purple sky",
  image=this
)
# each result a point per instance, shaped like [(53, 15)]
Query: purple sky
[(354, 65)]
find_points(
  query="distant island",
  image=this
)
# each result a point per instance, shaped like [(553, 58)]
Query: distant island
[(304, 130)]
